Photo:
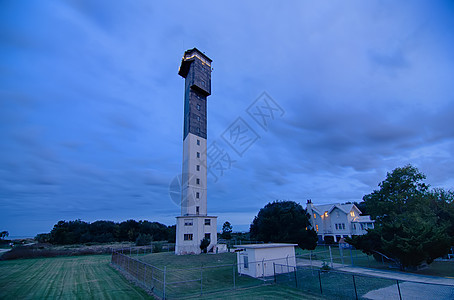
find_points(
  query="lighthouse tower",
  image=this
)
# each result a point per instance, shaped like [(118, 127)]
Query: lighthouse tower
[(194, 224)]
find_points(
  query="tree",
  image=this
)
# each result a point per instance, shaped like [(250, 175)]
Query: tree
[(129, 230), (284, 221), (226, 231), (204, 245), (143, 239), (403, 190), (4, 234), (407, 228)]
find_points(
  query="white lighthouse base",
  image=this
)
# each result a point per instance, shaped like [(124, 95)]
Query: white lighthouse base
[(191, 230)]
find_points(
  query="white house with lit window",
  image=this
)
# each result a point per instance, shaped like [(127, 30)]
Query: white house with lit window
[(338, 220)]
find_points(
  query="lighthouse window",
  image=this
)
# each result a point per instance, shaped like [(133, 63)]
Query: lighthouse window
[(198, 180), (208, 236), (197, 195), (198, 131), (203, 83), (198, 154), (188, 237), (198, 106), (197, 167), (198, 141), (198, 118), (207, 222), (187, 222)]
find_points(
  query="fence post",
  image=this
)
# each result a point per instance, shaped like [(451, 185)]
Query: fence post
[(263, 270), (234, 286), (310, 258), (331, 257), (341, 252), (354, 285), (274, 272), (296, 278), (145, 276), (320, 281), (164, 290), (398, 288)]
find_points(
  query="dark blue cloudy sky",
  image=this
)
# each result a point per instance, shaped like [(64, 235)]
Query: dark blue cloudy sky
[(91, 116)]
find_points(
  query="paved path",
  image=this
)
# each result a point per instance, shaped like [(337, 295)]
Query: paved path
[(381, 273)]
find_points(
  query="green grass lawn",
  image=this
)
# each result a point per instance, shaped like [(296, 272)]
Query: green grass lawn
[(75, 277)]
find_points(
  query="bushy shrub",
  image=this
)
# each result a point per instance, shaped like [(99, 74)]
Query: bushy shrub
[(143, 239)]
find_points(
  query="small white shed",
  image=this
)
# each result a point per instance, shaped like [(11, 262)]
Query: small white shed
[(263, 260)]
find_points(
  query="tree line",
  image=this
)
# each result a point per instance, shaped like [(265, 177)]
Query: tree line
[(80, 232)]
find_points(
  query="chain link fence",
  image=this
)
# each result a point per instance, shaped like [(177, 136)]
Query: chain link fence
[(174, 283), (347, 256), (345, 285)]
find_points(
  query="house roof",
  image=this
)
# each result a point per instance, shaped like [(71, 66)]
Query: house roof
[(363, 219), (346, 208), (261, 246)]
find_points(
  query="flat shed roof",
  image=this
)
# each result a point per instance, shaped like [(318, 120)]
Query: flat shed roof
[(260, 246)]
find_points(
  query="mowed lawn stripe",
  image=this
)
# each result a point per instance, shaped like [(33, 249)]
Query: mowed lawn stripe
[(82, 277)]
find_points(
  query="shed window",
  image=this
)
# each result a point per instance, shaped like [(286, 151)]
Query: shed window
[(246, 262)]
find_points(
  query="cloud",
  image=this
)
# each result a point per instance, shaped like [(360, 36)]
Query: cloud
[(92, 106)]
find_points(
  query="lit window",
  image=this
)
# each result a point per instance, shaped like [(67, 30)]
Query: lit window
[(207, 222), (315, 216), (198, 141), (188, 237), (197, 180), (326, 214), (198, 154), (197, 167), (352, 213), (187, 222), (316, 227)]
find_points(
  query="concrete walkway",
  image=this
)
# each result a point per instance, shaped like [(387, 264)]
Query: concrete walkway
[(380, 273)]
